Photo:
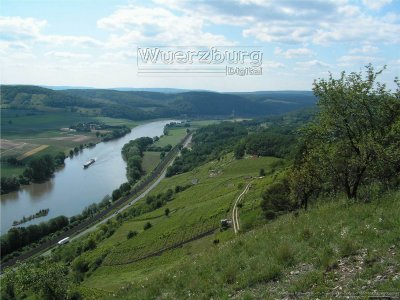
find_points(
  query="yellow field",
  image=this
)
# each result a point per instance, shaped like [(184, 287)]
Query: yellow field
[(32, 152)]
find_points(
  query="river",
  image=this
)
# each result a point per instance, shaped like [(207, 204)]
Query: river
[(73, 188)]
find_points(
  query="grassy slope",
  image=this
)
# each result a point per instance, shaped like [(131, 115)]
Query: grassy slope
[(192, 211), (335, 244)]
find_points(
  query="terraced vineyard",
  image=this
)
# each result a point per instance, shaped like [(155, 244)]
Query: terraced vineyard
[(194, 214), (167, 241)]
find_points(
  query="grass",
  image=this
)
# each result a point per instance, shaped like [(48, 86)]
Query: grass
[(289, 255), (24, 122), (174, 137), (150, 161), (9, 171)]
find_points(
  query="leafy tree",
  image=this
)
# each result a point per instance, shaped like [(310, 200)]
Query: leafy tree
[(9, 184), (276, 199), (239, 150), (116, 194), (356, 137)]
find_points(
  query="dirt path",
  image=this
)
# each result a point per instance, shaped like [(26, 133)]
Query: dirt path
[(235, 211)]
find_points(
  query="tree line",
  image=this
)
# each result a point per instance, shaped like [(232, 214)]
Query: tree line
[(38, 169), (18, 237)]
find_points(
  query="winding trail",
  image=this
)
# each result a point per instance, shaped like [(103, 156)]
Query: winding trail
[(235, 211)]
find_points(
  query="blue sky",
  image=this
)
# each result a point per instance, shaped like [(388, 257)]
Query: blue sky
[(93, 43)]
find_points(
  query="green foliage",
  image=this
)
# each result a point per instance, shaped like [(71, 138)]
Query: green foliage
[(147, 225), (47, 280), (133, 153), (131, 234), (116, 133), (9, 184), (355, 139), (239, 150), (18, 237), (208, 144), (269, 143), (276, 199)]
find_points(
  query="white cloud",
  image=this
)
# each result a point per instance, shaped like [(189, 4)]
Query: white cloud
[(366, 49), (17, 28), (306, 65), (67, 55), (78, 41), (375, 4), (349, 60), (132, 25), (120, 55), (315, 21), (294, 53), (269, 64), (23, 31)]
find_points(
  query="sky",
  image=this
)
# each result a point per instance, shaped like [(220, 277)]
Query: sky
[(94, 43)]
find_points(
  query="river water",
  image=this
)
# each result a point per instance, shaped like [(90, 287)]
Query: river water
[(73, 188)]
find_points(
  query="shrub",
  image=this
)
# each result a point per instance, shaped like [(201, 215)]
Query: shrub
[(276, 199), (285, 254), (348, 247), (131, 234), (147, 226)]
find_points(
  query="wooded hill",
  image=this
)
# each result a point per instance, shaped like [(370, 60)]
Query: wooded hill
[(142, 105)]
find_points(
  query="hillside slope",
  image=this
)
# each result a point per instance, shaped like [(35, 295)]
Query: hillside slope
[(335, 249)]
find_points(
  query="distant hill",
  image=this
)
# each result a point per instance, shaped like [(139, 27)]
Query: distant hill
[(148, 104)]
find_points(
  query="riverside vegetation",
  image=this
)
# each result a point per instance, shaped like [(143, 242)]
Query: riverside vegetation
[(321, 222)]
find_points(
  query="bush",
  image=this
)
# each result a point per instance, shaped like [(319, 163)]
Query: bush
[(131, 234), (276, 199), (147, 226)]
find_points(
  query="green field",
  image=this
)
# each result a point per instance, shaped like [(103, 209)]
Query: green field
[(174, 136), (9, 171), (25, 122), (150, 160)]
